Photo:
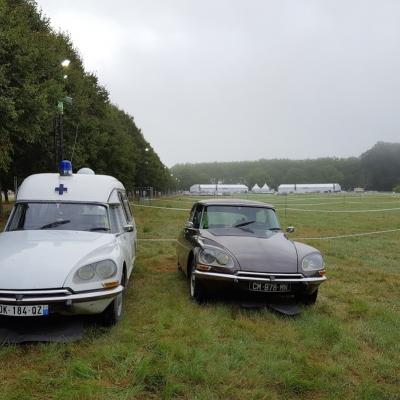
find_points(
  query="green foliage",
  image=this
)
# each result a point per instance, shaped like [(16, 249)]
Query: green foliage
[(273, 172), (31, 84), (377, 169), (396, 189), (381, 166)]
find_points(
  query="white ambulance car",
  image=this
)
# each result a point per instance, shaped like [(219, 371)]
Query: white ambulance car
[(68, 246)]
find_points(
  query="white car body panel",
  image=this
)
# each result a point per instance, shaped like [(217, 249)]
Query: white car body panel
[(44, 259)]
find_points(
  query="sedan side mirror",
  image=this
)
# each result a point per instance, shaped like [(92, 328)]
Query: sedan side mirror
[(189, 225), (128, 228), (290, 229)]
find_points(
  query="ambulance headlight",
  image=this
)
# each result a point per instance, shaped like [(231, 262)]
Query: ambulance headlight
[(86, 273), (97, 271), (106, 269)]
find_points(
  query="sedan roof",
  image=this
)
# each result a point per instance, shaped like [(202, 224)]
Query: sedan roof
[(234, 202)]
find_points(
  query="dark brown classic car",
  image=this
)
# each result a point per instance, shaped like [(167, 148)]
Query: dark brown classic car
[(240, 243)]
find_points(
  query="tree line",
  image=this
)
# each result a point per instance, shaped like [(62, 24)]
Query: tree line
[(32, 83), (376, 169)]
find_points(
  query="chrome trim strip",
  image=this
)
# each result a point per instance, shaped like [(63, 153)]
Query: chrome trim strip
[(268, 274), (76, 297), (237, 278), (35, 292)]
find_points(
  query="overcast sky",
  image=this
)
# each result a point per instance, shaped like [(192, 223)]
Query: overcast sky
[(221, 80)]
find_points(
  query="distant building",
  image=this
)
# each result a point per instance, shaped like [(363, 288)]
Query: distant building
[(218, 189), (256, 189), (309, 188)]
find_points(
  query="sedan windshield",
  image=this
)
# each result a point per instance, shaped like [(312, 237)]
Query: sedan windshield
[(240, 217), (60, 216)]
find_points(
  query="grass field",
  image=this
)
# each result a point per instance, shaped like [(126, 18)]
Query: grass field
[(346, 346)]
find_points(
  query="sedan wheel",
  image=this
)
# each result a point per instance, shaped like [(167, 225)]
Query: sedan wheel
[(308, 299), (197, 290)]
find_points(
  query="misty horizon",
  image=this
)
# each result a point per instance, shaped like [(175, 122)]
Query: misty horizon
[(282, 158), (253, 80)]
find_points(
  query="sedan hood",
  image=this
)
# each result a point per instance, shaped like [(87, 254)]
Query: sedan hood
[(43, 259), (272, 252)]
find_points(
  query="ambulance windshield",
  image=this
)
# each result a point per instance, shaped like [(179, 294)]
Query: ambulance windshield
[(60, 216)]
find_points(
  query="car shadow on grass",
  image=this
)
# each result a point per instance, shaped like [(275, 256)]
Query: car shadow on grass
[(54, 328), (281, 305)]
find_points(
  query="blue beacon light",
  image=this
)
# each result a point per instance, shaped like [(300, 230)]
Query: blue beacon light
[(65, 168)]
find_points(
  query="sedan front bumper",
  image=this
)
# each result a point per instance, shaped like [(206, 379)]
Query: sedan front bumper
[(251, 277)]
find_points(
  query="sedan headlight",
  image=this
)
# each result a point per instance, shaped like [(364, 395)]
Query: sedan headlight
[(312, 262), (98, 271), (216, 257)]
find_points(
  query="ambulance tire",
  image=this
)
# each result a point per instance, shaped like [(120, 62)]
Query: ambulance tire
[(113, 313)]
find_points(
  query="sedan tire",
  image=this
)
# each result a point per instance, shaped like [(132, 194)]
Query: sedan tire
[(308, 299), (197, 291)]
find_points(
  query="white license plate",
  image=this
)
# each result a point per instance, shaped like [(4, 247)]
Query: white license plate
[(269, 287), (24, 311)]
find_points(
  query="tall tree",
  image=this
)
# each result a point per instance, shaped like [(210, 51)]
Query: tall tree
[(97, 133)]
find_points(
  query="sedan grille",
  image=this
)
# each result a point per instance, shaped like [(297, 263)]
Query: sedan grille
[(268, 275)]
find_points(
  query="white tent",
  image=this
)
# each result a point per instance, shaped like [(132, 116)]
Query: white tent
[(256, 188), (265, 188)]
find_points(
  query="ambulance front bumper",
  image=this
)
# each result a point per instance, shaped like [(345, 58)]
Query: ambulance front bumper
[(62, 301)]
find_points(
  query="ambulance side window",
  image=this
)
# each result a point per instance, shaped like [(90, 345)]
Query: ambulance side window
[(125, 204), (117, 218), (17, 218)]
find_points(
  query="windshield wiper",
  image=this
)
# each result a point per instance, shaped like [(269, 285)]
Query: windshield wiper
[(98, 228), (274, 229), (243, 224), (55, 223)]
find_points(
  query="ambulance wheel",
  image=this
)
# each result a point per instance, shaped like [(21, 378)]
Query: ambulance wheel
[(113, 313)]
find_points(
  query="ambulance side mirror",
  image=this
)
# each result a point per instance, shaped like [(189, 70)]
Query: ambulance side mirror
[(128, 228)]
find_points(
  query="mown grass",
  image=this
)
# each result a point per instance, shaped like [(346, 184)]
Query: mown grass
[(169, 347)]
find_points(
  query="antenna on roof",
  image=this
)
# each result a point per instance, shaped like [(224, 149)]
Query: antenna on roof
[(76, 136)]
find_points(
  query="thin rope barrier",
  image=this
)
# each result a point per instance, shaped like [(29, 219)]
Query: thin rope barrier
[(340, 211), (163, 208), (288, 209), (360, 234), (349, 235)]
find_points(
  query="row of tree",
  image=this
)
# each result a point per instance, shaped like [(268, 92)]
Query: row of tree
[(33, 82), (376, 169)]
